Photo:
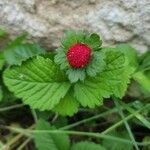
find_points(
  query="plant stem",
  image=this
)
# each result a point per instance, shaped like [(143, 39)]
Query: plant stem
[(126, 118), (91, 134), (55, 118), (24, 144), (126, 124), (138, 116), (91, 118), (17, 137), (14, 140), (88, 119), (11, 107), (34, 115)]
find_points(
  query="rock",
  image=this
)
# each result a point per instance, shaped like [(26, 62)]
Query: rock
[(117, 21)]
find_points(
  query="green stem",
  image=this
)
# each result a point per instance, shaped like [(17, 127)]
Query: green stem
[(91, 134), (17, 137), (138, 116), (11, 107), (88, 119), (126, 124), (91, 118), (24, 144), (34, 115), (126, 118)]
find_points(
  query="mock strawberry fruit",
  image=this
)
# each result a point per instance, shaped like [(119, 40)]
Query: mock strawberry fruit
[(79, 55)]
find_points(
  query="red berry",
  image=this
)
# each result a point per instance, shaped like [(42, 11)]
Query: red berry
[(79, 55)]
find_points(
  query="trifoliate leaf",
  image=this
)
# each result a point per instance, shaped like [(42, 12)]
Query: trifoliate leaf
[(94, 41), (18, 53), (71, 38), (48, 141), (38, 82), (87, 146), (67, 106), (112, 80)]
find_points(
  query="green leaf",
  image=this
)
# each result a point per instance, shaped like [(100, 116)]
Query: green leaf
[(47, 141), (111, 145), (117, 73), (94, 41), (142, 79), (87, 146), (2, 60), (75, 74), (96, 65), (18, 53), (113, 80), (18, 40), (60, 59), (145, 61), (87, 94), (68, 105), (38, 82), (130, 53), (71, 38)]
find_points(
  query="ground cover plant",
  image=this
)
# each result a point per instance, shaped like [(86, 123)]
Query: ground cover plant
[(80, 96)]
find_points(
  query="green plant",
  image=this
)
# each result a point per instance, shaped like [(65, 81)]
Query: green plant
[(80, 76)]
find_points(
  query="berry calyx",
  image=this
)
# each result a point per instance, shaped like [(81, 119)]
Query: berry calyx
[(79, 55)]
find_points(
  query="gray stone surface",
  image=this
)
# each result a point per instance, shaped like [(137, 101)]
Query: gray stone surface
[(117, 21)]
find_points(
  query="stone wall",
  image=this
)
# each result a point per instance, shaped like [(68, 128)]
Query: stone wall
[(117, 21)]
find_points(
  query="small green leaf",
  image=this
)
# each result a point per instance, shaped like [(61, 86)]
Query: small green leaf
[(71, 38), (47, 141), (94, 41), (130, 53), (96, 65), (145, 61), (38, 82), (87, 146), (14, 55), (61, 59), (75, 74), (68, 106), (18, 40)]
